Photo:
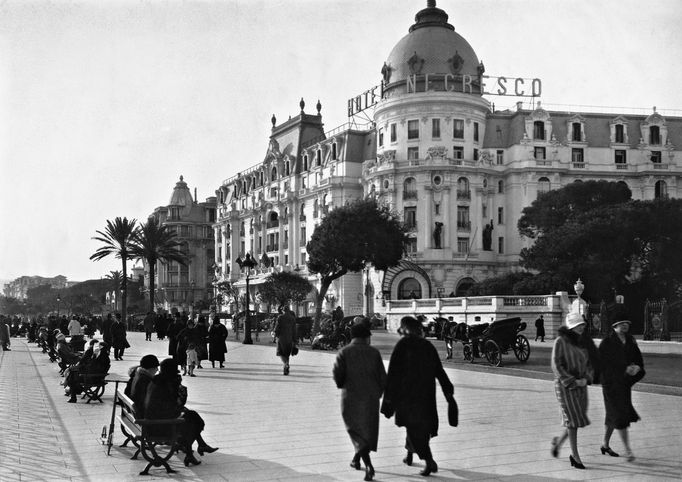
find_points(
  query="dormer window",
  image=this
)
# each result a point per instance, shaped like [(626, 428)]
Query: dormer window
[(539, 130), (576, 129), (654, 135), (333, 151), (318, 157), (620, 133), (274, 174), (305, 162)]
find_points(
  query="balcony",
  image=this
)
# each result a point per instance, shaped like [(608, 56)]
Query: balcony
[(272, 247), (409, 195), (543, 162), (578, 165), (302, 243), (272, 224), (463, 194), (464, 225), (622, 166), (411, 226), (658, 165), (302, 217)]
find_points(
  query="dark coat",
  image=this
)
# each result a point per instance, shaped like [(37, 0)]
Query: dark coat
[(163, 398), (285, 331), (359, 372), (411, 383), (217, 334), (118, 335), (616, 384), (172, 333), (138, 390), (98, 365), (106, 330), (540, 327), (201, 340), (149, 322)]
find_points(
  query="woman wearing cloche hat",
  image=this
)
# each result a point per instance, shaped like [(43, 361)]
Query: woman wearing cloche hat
[(622, 367), (572, 373)]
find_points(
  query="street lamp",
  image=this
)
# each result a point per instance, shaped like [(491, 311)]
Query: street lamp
[(249, 264), (59, 300)]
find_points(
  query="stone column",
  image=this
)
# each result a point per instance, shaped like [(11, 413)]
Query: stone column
[(445, 208)]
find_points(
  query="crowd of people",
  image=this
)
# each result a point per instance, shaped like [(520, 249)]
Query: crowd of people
[(408, 387)]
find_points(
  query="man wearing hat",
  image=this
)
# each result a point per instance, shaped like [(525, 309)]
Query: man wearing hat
[(360, 374), (622, 366)]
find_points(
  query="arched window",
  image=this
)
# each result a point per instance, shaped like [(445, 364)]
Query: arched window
[(462, 184), (543, 185), (500, 186), (409, 288), (287, 168), (334, 151), (305, 162), (318, 157), (661, 190), (463, 286), (654, 135), (261, 177), (410, 184), (273, 176)]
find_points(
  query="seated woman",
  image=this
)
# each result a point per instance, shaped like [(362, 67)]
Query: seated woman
[(141, 377), (166, 398), (96, 364)]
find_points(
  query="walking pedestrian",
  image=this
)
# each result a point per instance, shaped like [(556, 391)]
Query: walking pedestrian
[(622, 366), (201, 340), (285, 331), (107, 323), (572, 373), (118, 337), (217, 334), (74, 327), (411, 391), (540, 329), (359, 373), (4, 335), (148, 323)]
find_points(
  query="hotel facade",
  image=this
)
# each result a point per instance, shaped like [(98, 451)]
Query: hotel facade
[(437, 152)]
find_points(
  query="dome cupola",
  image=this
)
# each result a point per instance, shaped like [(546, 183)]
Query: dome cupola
[(433, 48)]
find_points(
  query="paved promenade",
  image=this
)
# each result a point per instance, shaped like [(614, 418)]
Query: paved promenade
[(271, 427)]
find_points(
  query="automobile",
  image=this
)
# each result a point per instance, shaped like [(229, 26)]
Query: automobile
[(259, 321)]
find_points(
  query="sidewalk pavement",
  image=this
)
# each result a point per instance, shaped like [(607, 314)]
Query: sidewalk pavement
[(272, 427)]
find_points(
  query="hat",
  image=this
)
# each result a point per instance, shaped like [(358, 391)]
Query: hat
[(360, 329), (574, 319), (169, 367), (149, 361), (61, 336), (620, 318), (410, 325)]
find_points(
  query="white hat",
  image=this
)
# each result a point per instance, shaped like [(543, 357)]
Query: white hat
[(574, 319)]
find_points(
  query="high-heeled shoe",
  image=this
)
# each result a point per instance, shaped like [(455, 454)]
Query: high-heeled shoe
[(205, 449), (431, 467), (191, 460), (607, 450), (408, 459), (369, 473), (575, 464), (555, 447)]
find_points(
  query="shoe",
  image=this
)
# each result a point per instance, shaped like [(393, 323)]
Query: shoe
[(630, 457), (431, 467), (191, 460), (199, 366), (355, 463), (369, 473), (72, 399), (555, 447), (286, 369), (205, 449), (184, 372), (575, 464), (222, 366), (408, 459), (607, 450), (192, 375)]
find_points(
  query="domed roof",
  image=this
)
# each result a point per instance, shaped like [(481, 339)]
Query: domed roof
[(431, 47), (181, 195)]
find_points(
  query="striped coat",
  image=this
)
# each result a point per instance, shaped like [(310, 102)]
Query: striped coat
[(570, 362)]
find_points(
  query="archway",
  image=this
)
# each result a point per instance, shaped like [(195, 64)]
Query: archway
[(409, 288), (463, 286)]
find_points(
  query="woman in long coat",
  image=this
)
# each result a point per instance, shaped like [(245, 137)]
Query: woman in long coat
[(622, 367), (173, 329), (359, 372), (119, 339), (572, 373), (201, 339), (411, 391), (285, 331), (217, 334)]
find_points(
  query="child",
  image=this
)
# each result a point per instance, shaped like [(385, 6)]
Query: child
[(192, 358)]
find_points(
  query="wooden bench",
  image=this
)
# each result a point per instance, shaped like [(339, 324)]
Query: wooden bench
[(93, 385), (148, 435)]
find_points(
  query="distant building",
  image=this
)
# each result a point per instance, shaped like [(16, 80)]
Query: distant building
[(459, 172), (20, 286), (180, 287)]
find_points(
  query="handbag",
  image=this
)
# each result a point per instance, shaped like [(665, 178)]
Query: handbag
[(294, 351), (453, 413)]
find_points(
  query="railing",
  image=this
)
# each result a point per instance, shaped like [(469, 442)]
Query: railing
[(409, 194), (660, 166), (579, 165), (412, 226), (542, 162), (479, 301), (272, 224), (464, 194), (622, 166), (464, 225), (525, 301)]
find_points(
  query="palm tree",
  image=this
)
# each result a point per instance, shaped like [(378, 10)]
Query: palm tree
[(152, 243), (115, 277), (117, 240)]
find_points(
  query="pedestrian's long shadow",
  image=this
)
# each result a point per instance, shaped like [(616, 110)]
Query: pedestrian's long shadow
[(238, 467), (266, 376)]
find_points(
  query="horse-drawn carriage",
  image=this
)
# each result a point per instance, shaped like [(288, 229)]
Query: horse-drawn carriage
[(492, 340)]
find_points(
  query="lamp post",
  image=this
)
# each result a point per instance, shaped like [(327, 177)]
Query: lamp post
[(59, 300), (249, 264)]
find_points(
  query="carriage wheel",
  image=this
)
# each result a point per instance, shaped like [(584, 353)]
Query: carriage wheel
[(468, 353), (493, 353), (522, 348)]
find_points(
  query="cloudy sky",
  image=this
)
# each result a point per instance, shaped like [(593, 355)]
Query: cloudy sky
[(105, 103)]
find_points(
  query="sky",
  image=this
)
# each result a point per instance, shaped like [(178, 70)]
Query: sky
[(105, 103)]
